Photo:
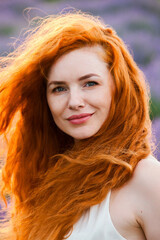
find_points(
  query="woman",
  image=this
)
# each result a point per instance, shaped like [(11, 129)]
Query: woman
[(79, 162)]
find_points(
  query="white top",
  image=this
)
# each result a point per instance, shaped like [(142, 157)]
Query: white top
[(96, 224)]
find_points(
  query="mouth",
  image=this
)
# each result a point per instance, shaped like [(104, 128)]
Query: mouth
[(81, 118)]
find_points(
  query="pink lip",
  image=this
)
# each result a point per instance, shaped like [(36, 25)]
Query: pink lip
[(81, 118)]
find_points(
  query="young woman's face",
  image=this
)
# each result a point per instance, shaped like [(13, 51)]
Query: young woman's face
[(79, 92)]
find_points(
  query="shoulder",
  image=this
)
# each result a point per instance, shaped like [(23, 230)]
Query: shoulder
[(146, 185), (147, 174), (146, 180), (135, 207)]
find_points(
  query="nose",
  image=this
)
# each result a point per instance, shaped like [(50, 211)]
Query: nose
[(76, 100)]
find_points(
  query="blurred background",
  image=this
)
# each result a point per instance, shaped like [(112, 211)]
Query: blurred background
[(137, 22)]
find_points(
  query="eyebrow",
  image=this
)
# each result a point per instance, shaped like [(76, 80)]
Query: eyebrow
[(79, 79), (88, 76)]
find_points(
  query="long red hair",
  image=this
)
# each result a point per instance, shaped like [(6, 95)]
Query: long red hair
[(53, 180)]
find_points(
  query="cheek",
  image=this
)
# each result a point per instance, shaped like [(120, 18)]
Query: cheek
[(56, 106), (52, 105), (105, 103), (102, 99)]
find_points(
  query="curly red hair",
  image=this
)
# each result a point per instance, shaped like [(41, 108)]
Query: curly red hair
[(53, 180)]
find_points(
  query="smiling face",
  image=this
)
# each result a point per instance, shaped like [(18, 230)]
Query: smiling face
[(79, 91)]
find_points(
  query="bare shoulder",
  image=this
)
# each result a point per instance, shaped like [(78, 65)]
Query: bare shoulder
[(147, 174), (146, 185), (135, 207)]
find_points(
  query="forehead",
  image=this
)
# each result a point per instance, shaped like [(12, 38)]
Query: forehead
[(79, 61)]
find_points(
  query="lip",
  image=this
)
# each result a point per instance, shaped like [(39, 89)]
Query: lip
[(81, 118), (82, 115)]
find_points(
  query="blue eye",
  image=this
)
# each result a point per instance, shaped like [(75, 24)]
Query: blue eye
[(90, 84), (59, 89)]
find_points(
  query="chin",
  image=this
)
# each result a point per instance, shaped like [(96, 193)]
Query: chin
[(82, 136)]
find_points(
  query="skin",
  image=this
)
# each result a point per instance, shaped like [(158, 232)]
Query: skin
[(80, 83), (135, 207)]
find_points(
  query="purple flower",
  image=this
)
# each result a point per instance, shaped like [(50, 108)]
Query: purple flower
[(156, 136)]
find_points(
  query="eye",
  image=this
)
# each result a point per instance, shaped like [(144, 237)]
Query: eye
[(90, 84), (59, 89)]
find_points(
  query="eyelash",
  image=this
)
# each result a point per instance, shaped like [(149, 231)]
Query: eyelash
[(91, 82), (63, 89), (57, 89)]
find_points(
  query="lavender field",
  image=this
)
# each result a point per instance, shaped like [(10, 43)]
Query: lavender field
[(136, 21)]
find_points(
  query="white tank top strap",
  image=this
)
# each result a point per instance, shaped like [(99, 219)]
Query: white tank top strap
[(96, 224), (110, 228)]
